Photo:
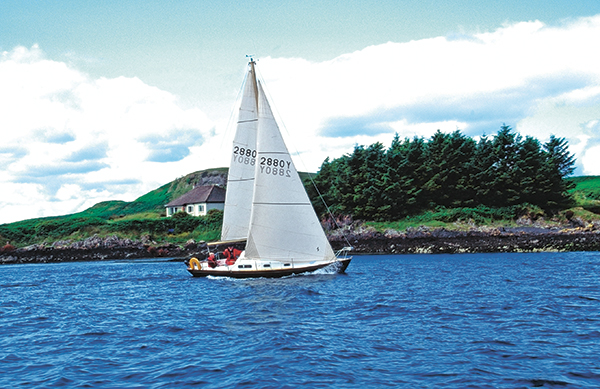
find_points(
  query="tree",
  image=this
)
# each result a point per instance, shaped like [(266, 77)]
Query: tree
[(449, 164), (529, 172), (367, 168), (397, 179), (504, 184), (560, 163), (482, 172), (559, 157)]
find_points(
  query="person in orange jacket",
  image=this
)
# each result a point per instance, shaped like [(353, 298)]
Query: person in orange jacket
[(231, 254)]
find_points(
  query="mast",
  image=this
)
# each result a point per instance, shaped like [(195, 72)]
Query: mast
[(254, 82)]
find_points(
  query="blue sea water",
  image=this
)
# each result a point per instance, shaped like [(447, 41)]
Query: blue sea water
[(402, 321)]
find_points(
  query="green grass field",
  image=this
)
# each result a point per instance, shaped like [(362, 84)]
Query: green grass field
[(587, 192)]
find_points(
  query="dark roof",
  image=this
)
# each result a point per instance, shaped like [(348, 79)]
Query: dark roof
[(200, 194)]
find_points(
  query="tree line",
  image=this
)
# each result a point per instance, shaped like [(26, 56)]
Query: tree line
[(448, 171)]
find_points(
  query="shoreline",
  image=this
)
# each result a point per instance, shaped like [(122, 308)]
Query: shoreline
[(98, 249), (416, 241), (442, 241)]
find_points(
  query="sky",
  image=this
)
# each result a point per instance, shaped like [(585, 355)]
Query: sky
[(110, 100)]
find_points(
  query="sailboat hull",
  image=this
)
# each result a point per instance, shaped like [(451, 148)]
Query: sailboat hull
[(340, 267)]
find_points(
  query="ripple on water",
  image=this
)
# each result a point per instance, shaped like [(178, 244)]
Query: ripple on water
[(492, 320)]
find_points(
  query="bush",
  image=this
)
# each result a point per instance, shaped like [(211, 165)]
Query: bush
[(181, 215), (63, 227), (7, 248)]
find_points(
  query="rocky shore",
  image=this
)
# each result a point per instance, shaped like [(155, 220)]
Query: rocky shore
[(437, 241), (364, 241), (98, 249)]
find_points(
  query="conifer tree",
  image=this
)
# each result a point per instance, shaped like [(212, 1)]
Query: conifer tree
[(560, 164), (397, 179)]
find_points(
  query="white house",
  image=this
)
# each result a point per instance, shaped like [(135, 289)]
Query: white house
[(198, 201)]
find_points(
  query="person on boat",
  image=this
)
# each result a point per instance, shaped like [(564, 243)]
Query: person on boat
[(212, 261), (231, 254)]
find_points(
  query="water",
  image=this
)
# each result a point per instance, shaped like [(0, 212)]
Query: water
[(412, 321)]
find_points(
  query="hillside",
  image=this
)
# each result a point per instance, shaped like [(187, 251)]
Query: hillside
[(587, 192), (143, 216), (152, 203)]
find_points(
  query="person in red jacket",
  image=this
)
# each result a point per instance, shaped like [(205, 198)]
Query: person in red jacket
[(231, 254)]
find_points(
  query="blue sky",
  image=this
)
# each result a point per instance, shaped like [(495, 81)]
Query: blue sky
[(108, 100)]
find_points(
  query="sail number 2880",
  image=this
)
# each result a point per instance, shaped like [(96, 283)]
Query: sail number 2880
[(244, 155), (244, 152), (274, 166)]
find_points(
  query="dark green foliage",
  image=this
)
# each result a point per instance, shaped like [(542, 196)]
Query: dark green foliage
[(559, 164), (180, 223), (51, 229), (479, 215), (448, 171), (449, 165), (365, 177)]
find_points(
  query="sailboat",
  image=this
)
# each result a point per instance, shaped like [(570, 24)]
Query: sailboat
[(266, 205)]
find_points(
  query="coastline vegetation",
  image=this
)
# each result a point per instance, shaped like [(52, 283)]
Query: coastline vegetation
[(450, 181)]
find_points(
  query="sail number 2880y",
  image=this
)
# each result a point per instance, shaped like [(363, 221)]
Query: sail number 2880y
[(274, 166)]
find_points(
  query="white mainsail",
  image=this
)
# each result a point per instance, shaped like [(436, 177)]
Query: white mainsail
[(240, 180), (283, 223)]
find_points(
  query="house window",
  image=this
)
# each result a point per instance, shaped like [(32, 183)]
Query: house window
[(190, 208), (200, 208)]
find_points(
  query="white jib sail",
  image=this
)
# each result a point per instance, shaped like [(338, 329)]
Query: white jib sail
[(283, 224), (240, 179)]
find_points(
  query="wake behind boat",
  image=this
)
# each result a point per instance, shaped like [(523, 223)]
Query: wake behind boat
[(266, 204)]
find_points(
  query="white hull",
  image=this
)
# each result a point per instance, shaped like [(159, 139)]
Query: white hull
[(248, 268)]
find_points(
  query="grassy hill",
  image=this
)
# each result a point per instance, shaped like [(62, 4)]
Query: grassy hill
[(151, 205)]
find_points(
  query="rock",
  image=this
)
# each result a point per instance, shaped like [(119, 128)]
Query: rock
[(577, 222)]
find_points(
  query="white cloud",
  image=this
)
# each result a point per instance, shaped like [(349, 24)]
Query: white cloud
[(70, 141), (539, 79), (63, 131)]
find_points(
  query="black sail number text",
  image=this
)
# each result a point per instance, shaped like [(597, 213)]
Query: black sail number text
[(244, 155), (275, 166)]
